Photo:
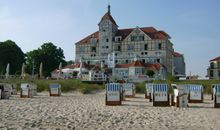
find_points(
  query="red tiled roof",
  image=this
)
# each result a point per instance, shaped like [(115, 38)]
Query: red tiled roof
[(86, 40), (176, 54), (150, 31), (108, 16), (122, 65), (136, 63), (215, 59), (155, 66)]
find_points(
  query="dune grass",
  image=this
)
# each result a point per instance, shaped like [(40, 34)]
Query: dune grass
[(140, 87), (85, 88), (67, 85)]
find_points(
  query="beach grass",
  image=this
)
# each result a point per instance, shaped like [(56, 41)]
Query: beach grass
[(85, 88), (66, 85)]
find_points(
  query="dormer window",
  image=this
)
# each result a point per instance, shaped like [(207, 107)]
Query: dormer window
[(93, 41), (137, 38), (118, 39)]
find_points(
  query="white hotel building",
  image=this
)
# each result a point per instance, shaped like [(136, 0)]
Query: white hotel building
[(151, 47)]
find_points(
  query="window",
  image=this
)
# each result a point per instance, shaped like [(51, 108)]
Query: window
[(94, 55), (158, 60), (107, 40), (159, 46), (141, 38), (211, 73), (145, 47), (143, 60), (88, 62), (212, 65), (116, 61), (218, 64), (142, 53), (116, 54), (130, 47), (93, 49), (81, 49), (137, 38), (126, 61), (145, 53), (218, 73), (117, 39), (93, 41), (107, 47), (119, 48), (133, 38)]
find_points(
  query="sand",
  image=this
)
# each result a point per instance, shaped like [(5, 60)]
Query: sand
[(77, 111)]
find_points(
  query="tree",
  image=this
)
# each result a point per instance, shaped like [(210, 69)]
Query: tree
[(150, 73), (12, 54), (70, 62), (49, 55)]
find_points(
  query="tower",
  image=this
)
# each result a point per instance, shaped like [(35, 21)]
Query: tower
[(107, 31)]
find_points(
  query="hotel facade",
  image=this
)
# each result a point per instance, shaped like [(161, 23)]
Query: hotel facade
[(151, 47)]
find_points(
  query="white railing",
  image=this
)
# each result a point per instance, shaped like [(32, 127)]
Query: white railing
[(94, 77)]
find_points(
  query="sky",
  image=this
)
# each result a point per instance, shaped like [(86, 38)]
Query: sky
[(194, 25)]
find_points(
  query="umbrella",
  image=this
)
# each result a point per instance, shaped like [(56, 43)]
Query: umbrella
[(80, 70), (67, 70), (41, 70), (7, 71), (23, 70), (60, 70)]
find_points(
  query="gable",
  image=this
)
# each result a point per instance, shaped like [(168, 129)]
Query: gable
[(138, 34)]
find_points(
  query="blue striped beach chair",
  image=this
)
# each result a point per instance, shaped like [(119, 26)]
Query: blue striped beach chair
[(217, 95), (149, 91), (114, 94), (55, 89), (195, 93), (160, 95), (129, 89)]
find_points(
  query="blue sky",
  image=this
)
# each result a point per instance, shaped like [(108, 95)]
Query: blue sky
[(194, 25)]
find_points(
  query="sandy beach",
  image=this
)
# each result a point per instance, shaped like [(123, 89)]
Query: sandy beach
[(77, 111)]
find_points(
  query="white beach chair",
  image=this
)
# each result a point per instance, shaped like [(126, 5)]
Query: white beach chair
[(196, 94), (149, 91), (114, 94), (26, 91), (55, 89), (129, 89), (5, 91), (160, 95), (181, 94), (217, 96), (213, 91), (14, 89)]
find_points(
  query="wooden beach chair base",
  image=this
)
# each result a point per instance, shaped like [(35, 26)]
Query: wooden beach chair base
[(129, 96), (55, 95), (161, 104), (196, 101), (216, 105), (147, 97), (113, 103)]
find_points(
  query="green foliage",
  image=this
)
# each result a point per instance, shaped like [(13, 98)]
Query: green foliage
[(12, 54), (85, 90), (140, 87), (70, 62), (150, 73), (67, 85), (49, 55)]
